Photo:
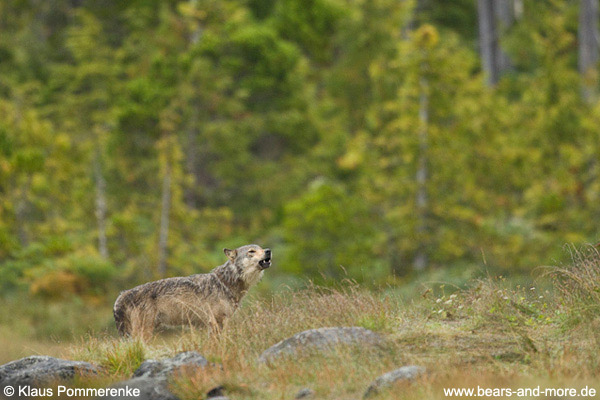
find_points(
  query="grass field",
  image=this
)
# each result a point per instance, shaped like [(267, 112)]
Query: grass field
[(489, 335)]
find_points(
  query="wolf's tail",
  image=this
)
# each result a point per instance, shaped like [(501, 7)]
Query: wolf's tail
[(121, 317)]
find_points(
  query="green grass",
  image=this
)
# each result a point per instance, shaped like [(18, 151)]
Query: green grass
[(119, 358)]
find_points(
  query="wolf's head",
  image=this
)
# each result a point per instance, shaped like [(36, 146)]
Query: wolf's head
[(249, 261)]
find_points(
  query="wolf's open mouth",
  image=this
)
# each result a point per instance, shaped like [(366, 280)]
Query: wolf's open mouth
[(266, 263)]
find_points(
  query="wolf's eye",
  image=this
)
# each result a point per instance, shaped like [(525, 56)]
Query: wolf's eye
[(251, 251)]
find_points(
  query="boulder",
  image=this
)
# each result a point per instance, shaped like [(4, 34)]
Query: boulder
[(165, 368), (216, 392), (152, 377), (306, 393), (320, 339), (41, 370), (386, 380), (150, 389)]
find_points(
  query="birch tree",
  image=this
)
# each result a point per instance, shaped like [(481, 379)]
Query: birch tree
[(90, 84), (165, 204), (588, 52), (420, 260), (495, 17)]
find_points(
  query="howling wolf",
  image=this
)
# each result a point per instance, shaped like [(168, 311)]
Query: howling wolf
[(198, 300)]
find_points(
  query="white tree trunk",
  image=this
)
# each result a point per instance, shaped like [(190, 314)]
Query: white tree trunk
[(192, 132), (495, 17), (192, 158), (420, 261), (100, 204), (163, 235), (21, 206), (504, 13), (588, 45)]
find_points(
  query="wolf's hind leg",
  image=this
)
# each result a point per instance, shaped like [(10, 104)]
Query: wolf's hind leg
[(217, 322), (122, 320), (143, 323)]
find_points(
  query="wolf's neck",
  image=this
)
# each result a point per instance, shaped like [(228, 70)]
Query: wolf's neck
[(232, 279)]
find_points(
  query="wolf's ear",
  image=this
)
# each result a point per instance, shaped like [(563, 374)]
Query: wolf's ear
[(231, 254)]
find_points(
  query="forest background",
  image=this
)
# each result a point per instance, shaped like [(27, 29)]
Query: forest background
[(387, 142)]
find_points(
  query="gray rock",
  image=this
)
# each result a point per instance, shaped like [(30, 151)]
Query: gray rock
[(320, 339), (386, 380), (216, 392), (41, 370), (164, 368), (305, 393), (150, 389), (152, 377)]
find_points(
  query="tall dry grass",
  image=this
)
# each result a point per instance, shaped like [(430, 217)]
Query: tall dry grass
[(259, 324), (578, 285)]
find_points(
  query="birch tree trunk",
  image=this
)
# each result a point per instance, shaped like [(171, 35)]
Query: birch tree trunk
[(192, 159), (192, 153), (21, 213), (20, 222), (420, 261), (100, 203), (588, 45), (504, 14), (495, 17), (487, 31), (165, 209)]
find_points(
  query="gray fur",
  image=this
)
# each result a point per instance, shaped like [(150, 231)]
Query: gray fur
[(197, 300)]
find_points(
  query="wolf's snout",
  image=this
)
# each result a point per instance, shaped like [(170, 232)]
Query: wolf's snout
[(266, 262)]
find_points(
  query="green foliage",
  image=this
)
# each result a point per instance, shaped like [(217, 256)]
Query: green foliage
[(97, 272), (12, 276), (330, 234), (312, 24)]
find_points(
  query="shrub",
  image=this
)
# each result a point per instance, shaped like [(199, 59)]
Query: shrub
[(97, 272), (330, 233), (58, 284)]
